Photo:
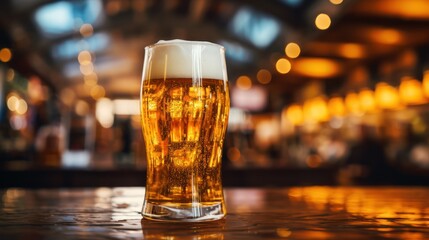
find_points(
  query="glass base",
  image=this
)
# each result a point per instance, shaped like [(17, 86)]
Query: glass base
[(183, 212)]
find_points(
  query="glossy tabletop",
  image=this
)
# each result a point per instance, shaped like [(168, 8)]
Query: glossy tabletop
[(285, 213)]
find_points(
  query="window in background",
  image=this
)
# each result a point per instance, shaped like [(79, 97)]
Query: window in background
[(255, 27), (63, 17)]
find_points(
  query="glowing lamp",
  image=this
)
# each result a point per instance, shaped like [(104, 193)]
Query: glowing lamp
[(294, 114), (410, 91), (336, 106), (387, 96), (367, 100), (316, 109), (352, 103)]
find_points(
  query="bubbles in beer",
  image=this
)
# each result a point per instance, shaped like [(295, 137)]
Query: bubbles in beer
[(183, 127)]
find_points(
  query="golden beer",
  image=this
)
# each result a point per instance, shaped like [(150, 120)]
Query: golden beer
[(184, 122)]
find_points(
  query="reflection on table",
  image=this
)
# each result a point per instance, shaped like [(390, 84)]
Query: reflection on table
[(287, 213)]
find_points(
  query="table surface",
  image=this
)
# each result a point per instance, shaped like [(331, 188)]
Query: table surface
[(253, 213)]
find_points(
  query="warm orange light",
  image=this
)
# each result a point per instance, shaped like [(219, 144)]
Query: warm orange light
[(84, 57), (386, 96), (411, 92), (292, 50), (244, 82), (323, 21), (35, 90), (317, 67), (283, 65), (67, 96), (5, 55), (97, 92), (12, 101), (336, 2), (22, 107), (90, 79), (264, 76), (351, 50), (352, 103), (87, 69), (81, 108), (16, 104), (367, 100), (385, 35), (234, 154), (336, 107), (86, 30), (316, 109), (294, 114), (426, 83), (415, 9)]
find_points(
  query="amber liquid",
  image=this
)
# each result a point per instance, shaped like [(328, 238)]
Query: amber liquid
[(184, 125)]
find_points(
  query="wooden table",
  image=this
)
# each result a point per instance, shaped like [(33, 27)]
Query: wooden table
[(253, 213)]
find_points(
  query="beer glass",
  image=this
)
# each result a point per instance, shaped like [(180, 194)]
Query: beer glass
[(184, 106)]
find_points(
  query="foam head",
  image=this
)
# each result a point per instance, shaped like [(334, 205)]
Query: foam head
[(185, 59)]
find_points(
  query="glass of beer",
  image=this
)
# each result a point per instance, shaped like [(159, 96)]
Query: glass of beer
[(184, 105)]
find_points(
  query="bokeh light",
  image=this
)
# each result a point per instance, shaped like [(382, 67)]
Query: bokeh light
[(264, 76), (283, 65), (84, 57), (97, 92), (5, 55), (292, 50), (244, 82), (323, 21)]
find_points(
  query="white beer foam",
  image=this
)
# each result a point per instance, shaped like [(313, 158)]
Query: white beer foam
[(185, 59)]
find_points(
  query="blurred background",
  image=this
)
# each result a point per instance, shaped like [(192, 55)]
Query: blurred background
[(326, 92)]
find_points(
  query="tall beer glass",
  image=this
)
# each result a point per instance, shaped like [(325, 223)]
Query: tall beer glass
[(184, 106)]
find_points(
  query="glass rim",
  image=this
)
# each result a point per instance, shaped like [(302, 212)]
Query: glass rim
[(183, 42)]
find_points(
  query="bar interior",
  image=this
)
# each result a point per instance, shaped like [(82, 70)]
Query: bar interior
[(328, 130)]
